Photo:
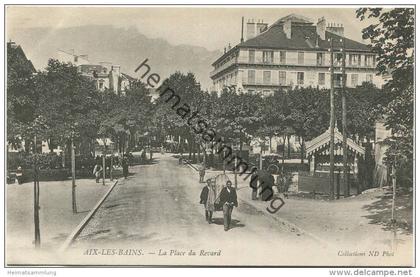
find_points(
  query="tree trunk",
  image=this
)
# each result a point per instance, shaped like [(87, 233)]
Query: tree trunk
[(288, 146), (50, 145), (302, 150), (284, 147)]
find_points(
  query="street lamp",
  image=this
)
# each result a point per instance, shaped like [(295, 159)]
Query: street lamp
[(73, 170)]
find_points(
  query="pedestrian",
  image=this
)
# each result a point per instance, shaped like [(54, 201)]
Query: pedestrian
[(97, 170), (207, 197), (19, 175), (253, 184), (228, 200), (124, 164), (202, 173)]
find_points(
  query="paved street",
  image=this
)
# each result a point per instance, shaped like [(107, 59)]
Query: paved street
[(156, 211), (158, 208)]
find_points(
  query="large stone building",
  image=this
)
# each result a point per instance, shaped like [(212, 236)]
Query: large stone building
[(106, 75), (292, 52)]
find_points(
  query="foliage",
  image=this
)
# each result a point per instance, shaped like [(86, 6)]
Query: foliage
[(392, 37)]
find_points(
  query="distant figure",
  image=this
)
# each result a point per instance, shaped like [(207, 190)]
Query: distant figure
[(202, 173), (253, 184), (207, 197), (97, 170), (124, 164), (228, 199), (19, 175), (180, 159), (283, 184)]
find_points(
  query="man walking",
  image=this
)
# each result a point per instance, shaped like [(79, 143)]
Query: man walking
[(124, 164), (202, 173), (228, 199), (253, 184), (207, 197)]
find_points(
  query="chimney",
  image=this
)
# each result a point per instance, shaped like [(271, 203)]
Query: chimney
[(242, 30), (321, 26), (337, 29), (261, 26), (250, 29), (287, 28)]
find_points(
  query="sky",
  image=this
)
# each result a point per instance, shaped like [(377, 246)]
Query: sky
[(210, 27)]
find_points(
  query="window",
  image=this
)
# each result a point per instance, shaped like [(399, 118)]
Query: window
[(369, 78), (282, 78), (251, 76), (251, 56), (321, 79), (268, 56), (355, 59), (354, 80), (338, 59), (301, 57), (300, 78), (267, 77), (101, 84), (320, 58), (251, 91), (338, 78), (282, 57), (369, 60)]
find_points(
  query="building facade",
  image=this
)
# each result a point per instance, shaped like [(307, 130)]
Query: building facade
[(105, 74), (292, 52)]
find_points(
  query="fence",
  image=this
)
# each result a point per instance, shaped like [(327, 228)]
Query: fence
[(319, 183)]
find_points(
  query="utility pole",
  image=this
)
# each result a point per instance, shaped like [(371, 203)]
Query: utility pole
[(37, 240), (259, 189), (111, 166), (103, 163), (234, 170), (73, 176), (344, 122), (332, 119)]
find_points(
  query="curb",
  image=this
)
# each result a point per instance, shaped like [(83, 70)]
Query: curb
[(73, 235), (281, 220)]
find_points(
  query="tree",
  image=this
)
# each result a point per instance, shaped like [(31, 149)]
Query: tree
[(21, 97), (309, 116), (392, 37), (68, 101)]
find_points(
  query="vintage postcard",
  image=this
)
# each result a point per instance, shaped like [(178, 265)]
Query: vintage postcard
[(209, 135)]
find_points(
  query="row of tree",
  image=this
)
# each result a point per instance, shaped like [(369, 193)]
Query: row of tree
[(58, 104)]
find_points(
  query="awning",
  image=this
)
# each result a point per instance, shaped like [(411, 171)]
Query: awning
[(320, 145)]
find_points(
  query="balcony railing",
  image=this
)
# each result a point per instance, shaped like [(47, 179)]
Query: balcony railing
[(223, 67)]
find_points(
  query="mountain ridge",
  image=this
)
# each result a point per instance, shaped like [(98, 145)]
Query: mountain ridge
[(127, 47)]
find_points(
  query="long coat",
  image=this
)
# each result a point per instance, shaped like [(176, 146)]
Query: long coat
[(230, 197)]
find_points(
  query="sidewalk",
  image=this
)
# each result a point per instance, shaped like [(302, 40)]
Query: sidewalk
[(353, 222), (56, 217)]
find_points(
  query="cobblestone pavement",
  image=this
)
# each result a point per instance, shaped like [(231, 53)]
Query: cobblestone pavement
[(155, 218), (158, 208)]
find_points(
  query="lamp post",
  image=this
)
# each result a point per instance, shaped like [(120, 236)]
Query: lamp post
[(332, 119), (344, 122), (37, 240), (73, 175)]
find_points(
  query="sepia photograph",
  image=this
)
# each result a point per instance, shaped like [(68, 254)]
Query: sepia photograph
[(209, 136)]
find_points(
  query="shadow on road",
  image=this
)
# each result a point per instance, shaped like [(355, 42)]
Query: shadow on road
[(380, 212), (233, 224)]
